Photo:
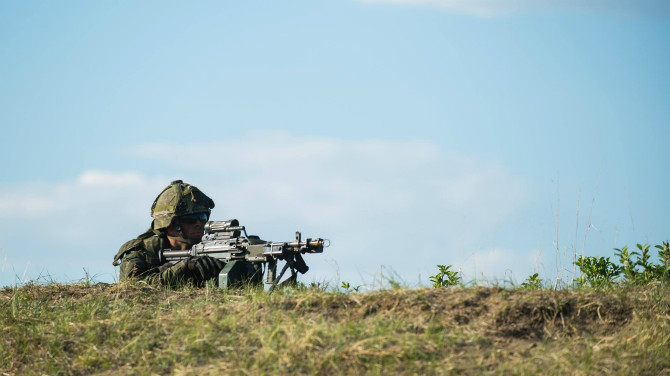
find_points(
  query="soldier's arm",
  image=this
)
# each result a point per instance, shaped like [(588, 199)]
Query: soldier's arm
[(138, 265)]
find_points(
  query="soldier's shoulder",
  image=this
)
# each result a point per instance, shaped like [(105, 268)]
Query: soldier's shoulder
[(141, 244), (153, 243), (131, 245)]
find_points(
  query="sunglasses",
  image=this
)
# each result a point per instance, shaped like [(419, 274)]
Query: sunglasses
[(192, 218)]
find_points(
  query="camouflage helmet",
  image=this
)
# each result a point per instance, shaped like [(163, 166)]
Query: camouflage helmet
[(178, 199)]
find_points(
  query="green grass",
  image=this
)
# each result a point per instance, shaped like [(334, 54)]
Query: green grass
[(136, 329)]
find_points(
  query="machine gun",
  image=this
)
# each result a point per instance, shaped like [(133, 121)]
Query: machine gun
[(223, 241)]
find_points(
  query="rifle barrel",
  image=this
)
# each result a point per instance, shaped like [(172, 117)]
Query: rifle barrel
[(175, 254)]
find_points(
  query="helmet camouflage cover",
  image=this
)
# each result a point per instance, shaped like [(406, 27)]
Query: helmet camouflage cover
[(178, 199)]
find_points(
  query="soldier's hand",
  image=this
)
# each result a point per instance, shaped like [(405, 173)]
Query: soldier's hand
[(165, 266), (204, 267)]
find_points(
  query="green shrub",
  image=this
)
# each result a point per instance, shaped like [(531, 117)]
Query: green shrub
[(445, 277), (534, 282), (597, 271), (635, 267), (663, 270)]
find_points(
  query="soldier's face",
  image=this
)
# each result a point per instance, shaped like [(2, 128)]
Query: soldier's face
[(194, 231), (192, 226)]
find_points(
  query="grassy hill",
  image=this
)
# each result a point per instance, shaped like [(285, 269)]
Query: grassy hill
[(74, 329)]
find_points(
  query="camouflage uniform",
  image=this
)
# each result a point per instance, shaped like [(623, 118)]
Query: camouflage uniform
[(139, 258)]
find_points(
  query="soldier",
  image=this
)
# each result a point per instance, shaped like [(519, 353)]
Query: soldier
[(179, 215)]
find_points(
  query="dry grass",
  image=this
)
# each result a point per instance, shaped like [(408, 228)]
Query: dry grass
[(134, 329)]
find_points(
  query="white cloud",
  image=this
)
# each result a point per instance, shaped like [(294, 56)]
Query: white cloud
[(490, 8), (92, 190), (273, 174), (405, 205), (111, 179)]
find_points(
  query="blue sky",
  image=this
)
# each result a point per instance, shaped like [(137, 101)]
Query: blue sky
[(499, 137)]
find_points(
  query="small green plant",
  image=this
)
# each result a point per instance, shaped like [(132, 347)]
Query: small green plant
[(597, 271), (534, 282), (664, 252), (347, 287), (396, 285), (636, 267), (445, 277), (663, 270)]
